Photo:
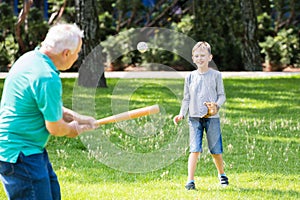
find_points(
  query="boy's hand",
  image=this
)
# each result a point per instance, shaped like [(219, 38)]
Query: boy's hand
[(177, 118)]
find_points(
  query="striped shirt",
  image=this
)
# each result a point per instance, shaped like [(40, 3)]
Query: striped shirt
[(200, 88)]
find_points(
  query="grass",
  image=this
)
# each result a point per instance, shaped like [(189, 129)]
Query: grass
[(260, 125)]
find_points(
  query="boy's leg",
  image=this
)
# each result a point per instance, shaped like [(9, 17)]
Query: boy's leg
[(218, 160), (196, 134), (192, 164), (214, 140)]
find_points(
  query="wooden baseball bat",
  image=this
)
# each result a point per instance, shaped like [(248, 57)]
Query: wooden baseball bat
[(129, 115)]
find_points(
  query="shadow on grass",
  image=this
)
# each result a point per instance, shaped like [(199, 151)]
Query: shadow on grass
[(275, 98)]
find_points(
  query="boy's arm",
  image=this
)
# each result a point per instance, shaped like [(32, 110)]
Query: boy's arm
[(220, 91), (184, 103), (186, 99)]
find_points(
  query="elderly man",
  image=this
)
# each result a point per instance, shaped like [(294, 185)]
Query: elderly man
[(32, 110)]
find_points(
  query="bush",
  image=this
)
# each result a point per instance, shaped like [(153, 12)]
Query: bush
[(283, 49), (8, 47)]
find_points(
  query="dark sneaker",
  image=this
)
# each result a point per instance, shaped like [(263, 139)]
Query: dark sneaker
[(190, 186), (224, 181)]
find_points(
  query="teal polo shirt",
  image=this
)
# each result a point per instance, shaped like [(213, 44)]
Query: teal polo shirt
[(32, 93)]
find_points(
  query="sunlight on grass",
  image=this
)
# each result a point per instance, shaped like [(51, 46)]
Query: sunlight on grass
[(243, 186), (279, 139), (260, 130)]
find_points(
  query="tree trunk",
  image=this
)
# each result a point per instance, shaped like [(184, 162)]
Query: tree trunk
[(91, 72), (21, 19), (250, 51)]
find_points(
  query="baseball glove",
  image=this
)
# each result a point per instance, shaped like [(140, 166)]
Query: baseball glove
[(212, 109)]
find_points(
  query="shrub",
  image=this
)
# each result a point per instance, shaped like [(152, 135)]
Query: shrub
[(8, 47), (283, 49)]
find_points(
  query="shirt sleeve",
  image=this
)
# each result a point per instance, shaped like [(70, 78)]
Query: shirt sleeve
[(186, 97), (49, 99), (220, 91)]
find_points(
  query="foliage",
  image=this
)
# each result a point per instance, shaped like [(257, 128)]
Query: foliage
[(217, 22), (69, 14), (106, 25), (265, 27), (278, 30), (162, 54), (283, 49), (37, 28), (185, 25), (220, 25), (260, 136), (8, 47), (117, 50)]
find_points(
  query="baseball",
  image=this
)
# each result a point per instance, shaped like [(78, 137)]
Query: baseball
[(142, 47)]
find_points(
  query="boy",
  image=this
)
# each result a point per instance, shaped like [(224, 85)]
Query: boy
[(201, 86)]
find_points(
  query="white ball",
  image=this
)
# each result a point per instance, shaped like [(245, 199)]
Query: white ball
[(142, 47)]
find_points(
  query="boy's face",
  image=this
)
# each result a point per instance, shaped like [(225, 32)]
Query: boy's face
[(201, 57)]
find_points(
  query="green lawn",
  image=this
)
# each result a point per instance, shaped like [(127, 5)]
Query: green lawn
[(261, 129)]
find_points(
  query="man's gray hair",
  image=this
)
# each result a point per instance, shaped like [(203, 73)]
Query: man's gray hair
[(61, 37)]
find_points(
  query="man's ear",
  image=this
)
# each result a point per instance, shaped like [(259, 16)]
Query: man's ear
[(211, 57), (66, 53)]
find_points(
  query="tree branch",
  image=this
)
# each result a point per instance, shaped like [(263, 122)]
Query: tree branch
[(153, 22), (21, 18), (56, 16)]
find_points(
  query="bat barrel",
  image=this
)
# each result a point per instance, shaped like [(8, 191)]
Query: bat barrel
[(132, 114)]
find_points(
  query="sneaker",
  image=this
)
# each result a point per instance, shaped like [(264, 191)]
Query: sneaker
[(224, 181), (190, 186)]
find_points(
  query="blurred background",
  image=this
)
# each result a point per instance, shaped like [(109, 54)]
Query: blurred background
[(245, 35)]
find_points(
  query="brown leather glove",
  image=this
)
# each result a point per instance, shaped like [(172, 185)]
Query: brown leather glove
[(212, 109)]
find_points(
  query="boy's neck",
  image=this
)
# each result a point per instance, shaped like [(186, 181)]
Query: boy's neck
[(202, 69)]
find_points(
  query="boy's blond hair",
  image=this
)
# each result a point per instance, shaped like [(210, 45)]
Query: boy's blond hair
[(202, 45)]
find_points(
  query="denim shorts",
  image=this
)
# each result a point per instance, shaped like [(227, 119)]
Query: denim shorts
[(213, 134), (30, 178)]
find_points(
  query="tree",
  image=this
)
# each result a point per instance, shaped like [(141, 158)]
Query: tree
[(250, 51), (233, 28), (8, 47), (21, 19), (91, 60)]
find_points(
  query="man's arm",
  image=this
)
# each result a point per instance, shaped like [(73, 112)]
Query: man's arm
[(62, 128), (70, 115), (71, 125)]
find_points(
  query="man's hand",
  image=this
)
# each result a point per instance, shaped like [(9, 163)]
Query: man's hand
[(79, 128), (86, 120)]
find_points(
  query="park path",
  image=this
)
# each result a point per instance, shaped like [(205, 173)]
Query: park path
[(183, 74), (175, 74)]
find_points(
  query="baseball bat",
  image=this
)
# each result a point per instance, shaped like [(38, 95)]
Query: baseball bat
[(132, 114)]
